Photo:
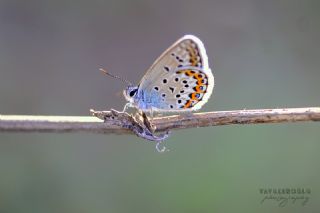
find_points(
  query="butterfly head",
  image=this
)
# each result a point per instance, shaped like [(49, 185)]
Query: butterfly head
[(130, 92)]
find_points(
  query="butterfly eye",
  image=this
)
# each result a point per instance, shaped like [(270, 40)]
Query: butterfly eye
[(133, 92)]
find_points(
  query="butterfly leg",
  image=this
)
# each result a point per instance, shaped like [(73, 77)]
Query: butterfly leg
[(151, 113), (126, 107)]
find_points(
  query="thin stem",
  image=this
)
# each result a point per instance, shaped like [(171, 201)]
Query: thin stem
[(31, 123)]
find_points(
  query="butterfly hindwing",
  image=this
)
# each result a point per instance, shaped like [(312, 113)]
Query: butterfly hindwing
[(183, 89)]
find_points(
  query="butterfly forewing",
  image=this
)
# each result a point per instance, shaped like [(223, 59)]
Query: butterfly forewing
[(187, 51)]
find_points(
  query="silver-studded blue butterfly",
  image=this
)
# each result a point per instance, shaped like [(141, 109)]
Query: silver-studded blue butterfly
[(179, 80)]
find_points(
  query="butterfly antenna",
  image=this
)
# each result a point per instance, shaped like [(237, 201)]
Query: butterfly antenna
[(114, 76)]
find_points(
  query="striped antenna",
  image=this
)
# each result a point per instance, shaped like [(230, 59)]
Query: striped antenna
[(114, 76)]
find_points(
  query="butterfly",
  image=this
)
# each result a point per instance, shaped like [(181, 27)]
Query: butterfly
[(179, 80)]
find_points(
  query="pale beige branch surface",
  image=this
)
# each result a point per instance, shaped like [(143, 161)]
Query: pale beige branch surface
[(35, 123), (122, 123)]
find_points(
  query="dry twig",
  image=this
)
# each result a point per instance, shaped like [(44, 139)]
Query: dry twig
[(123, 123)]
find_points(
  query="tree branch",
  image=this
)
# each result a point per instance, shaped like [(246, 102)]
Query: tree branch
[(123, 123)]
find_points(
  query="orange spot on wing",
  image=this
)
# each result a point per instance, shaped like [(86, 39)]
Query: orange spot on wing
[(188, 104), (198, 88), (193, 97), (198, 76), (188, 73), (199, 81)]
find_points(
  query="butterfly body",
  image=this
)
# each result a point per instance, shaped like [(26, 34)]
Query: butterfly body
[(179, 80)]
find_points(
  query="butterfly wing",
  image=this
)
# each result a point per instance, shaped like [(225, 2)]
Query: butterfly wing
[(180, 79)]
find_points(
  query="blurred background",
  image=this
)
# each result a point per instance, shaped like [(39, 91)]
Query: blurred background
[(264, 54)]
